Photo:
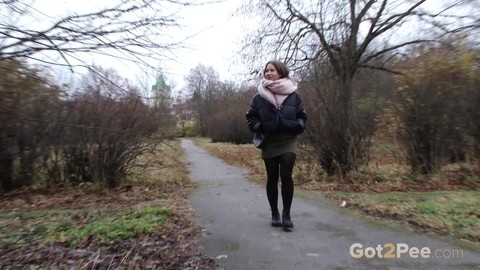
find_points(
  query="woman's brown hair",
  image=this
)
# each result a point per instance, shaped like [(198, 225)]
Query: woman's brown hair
[(281, 68)]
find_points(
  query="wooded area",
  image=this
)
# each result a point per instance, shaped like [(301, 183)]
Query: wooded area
[(362, 83), (93, 128), (92, 174)]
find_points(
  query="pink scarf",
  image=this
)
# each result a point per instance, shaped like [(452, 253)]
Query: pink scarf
[(276, 91)]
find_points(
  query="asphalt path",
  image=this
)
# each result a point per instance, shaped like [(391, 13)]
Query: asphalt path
[(236, 218)]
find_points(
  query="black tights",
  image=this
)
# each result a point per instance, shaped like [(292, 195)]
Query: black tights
[(280, 166)]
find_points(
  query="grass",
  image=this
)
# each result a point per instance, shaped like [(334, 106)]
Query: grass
[(106, 229), (451, 213), (85, 216), (76, 227), (145, 223), (379, 190)]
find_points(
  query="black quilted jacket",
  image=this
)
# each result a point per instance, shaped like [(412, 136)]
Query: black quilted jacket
[(263, 117)]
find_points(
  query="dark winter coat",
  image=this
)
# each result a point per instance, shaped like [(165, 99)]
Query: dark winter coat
[(289, 118)]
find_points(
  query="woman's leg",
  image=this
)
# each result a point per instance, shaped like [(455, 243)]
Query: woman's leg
[(287, 161), (272, 166)]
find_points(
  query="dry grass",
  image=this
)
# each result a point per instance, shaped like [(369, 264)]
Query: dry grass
[(145, 224), (451, 213)]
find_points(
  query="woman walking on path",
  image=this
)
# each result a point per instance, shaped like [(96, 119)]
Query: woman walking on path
[(277, 113)]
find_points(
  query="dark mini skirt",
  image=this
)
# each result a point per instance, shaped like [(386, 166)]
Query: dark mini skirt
[(278, 144)]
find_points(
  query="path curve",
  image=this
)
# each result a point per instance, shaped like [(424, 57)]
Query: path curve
[(235, 215)]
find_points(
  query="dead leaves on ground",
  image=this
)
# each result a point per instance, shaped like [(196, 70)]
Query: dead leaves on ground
[(173, 246)]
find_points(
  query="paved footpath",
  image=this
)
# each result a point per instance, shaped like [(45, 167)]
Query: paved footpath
[(236, 217)]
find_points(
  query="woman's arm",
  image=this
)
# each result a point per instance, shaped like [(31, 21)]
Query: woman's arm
[(301, 114), (253, 119)]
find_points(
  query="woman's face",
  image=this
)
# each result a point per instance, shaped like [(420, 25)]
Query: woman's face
[(271, 73)]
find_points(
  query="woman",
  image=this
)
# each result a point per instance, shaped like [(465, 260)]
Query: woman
[(277, 112)]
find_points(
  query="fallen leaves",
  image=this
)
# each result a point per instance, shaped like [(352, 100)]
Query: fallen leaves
[(173, 246)]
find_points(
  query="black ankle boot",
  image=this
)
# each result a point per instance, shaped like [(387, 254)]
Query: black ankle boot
[(286, 220), (276, 219)]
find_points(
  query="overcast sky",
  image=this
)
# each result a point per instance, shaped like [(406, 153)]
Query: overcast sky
[(214, 34), (217, 35)]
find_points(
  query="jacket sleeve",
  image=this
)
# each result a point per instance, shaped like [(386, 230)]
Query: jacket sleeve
[(253, 119), (301, 114)]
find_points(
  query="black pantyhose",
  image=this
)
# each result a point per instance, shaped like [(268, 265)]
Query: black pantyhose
[(280, 166)]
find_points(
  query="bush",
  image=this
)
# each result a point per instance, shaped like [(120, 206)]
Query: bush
[(431, 107)]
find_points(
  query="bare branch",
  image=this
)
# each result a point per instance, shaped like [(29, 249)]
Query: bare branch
[(137, 29), (379, 53), (382, 68)]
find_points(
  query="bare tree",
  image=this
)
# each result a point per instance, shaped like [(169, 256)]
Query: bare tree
[(135, 30), (226, 123), (202, 83), (349, 34), (335, 39), (104, 130), (93, 136), (29, 104), (433, 105)]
